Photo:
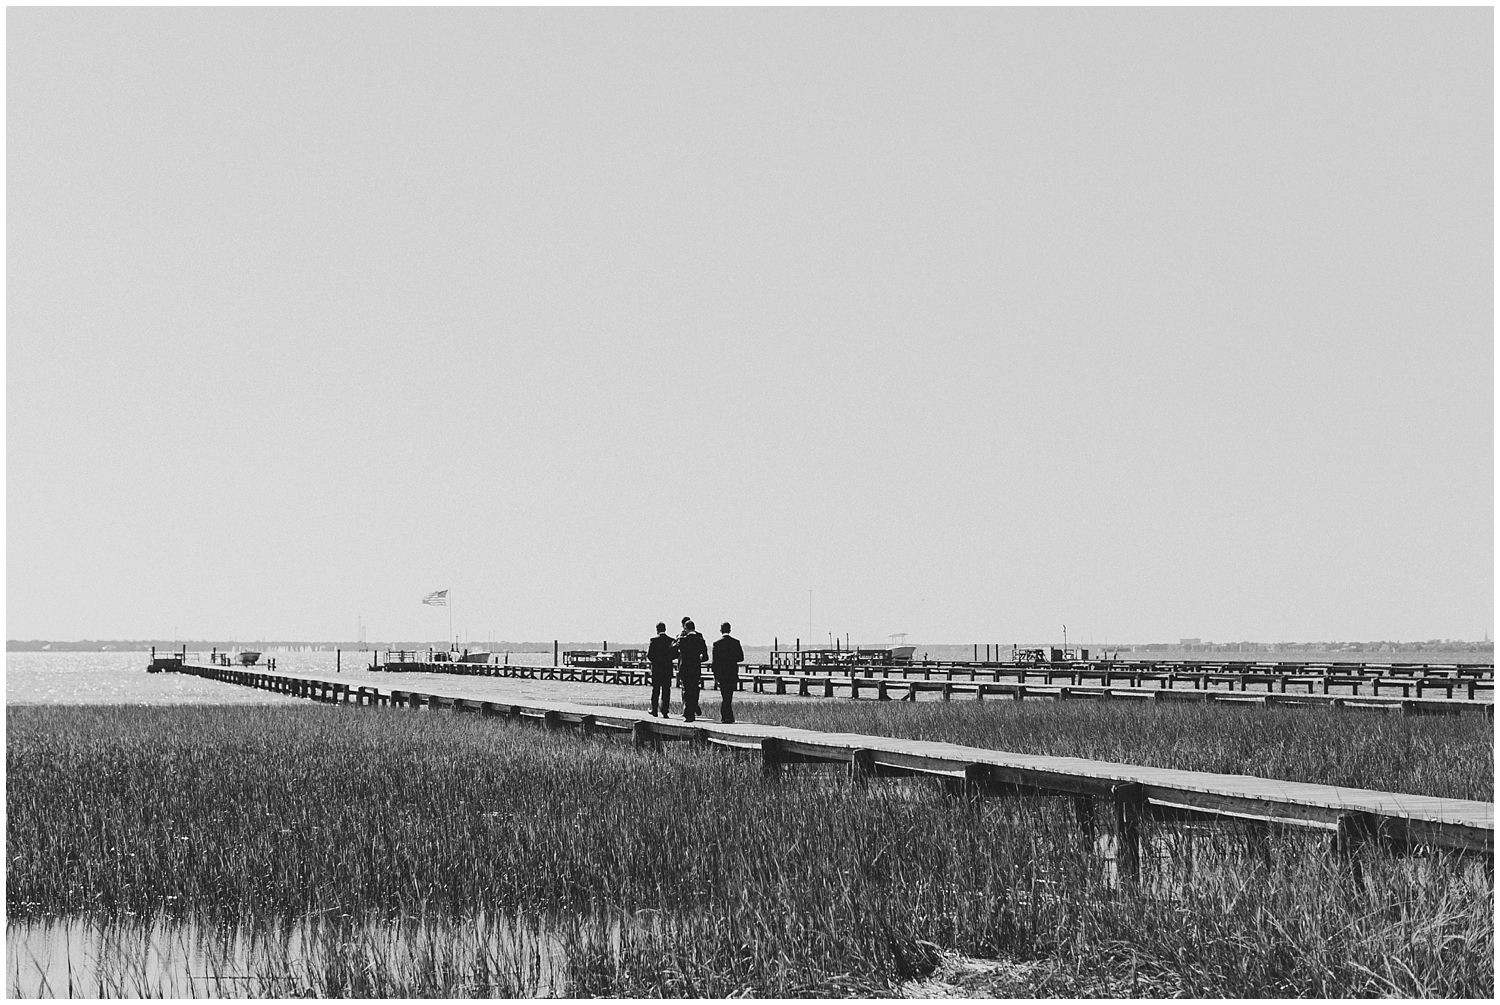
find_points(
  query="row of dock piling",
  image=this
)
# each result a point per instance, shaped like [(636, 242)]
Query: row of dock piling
[(1135, 794)]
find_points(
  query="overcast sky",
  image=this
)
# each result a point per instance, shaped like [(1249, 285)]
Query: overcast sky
[(973, 323)]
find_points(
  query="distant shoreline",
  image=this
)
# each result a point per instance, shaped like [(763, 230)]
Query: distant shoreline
[(1450, 650)]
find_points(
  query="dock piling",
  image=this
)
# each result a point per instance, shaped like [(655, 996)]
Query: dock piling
[(1130, 810), (771, 758)]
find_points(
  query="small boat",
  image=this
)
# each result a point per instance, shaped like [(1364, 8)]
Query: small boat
[(590, 658), (249, 658), (456, 656)]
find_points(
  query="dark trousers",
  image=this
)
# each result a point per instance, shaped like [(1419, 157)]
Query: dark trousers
[(661, 689), (691, 681), (726, 686)]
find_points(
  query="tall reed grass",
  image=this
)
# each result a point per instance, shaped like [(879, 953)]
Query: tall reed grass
[(1448, 756), (717, 882)]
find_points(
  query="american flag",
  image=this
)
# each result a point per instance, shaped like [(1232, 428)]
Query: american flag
[(437, 598)]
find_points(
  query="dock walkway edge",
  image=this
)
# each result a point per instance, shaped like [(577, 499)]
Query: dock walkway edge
[(1400, 822)]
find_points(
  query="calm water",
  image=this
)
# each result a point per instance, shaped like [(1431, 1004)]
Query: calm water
[(119, 678), (513, 954), (115, 678)]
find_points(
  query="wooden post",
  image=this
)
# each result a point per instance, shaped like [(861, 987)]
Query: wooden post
[(770, 758), (640, 735), (338, 661), (1258, 835), (1355, 830), (1083, 810), (554, 652), (588, 725), (862, 766), (968, 786), (1129, 805), (552, 719)]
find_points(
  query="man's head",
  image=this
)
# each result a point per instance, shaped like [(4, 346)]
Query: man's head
[(661, 626), (687, 624), (724, 628)]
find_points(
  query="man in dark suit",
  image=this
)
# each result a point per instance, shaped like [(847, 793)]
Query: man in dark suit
[(661, 654), (728, 655), (692, 653)]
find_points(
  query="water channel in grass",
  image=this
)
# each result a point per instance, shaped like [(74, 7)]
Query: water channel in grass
[(492, 955)]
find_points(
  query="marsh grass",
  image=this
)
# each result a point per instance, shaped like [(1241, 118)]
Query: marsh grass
[(678, 872), (1448, 756)]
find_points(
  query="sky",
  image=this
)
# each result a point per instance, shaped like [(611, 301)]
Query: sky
[(968, 323)]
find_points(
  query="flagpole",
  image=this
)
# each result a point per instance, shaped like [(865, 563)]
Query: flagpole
[(451, 644)]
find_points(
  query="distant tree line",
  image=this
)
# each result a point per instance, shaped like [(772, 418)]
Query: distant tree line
[(195, 645)]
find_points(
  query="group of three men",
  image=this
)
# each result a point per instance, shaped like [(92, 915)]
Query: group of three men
[(689, 652)]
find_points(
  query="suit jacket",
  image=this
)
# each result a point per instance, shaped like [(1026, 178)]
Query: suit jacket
[(662, 651), (692, 652), (728, 655)]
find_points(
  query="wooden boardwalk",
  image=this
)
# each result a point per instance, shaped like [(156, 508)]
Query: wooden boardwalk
[(970, 682), (1137, 793), (1477, 671)]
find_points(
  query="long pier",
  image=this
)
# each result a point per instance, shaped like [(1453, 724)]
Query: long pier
[(1019, 681), (1135, 794), (1482, 671)]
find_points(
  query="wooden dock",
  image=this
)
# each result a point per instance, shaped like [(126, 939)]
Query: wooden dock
[(1354, 817), (830, 659), (1020, 682)]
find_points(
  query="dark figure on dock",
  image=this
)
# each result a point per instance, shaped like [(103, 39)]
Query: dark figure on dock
[(692, 653), (728, 655), (661, 654)]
